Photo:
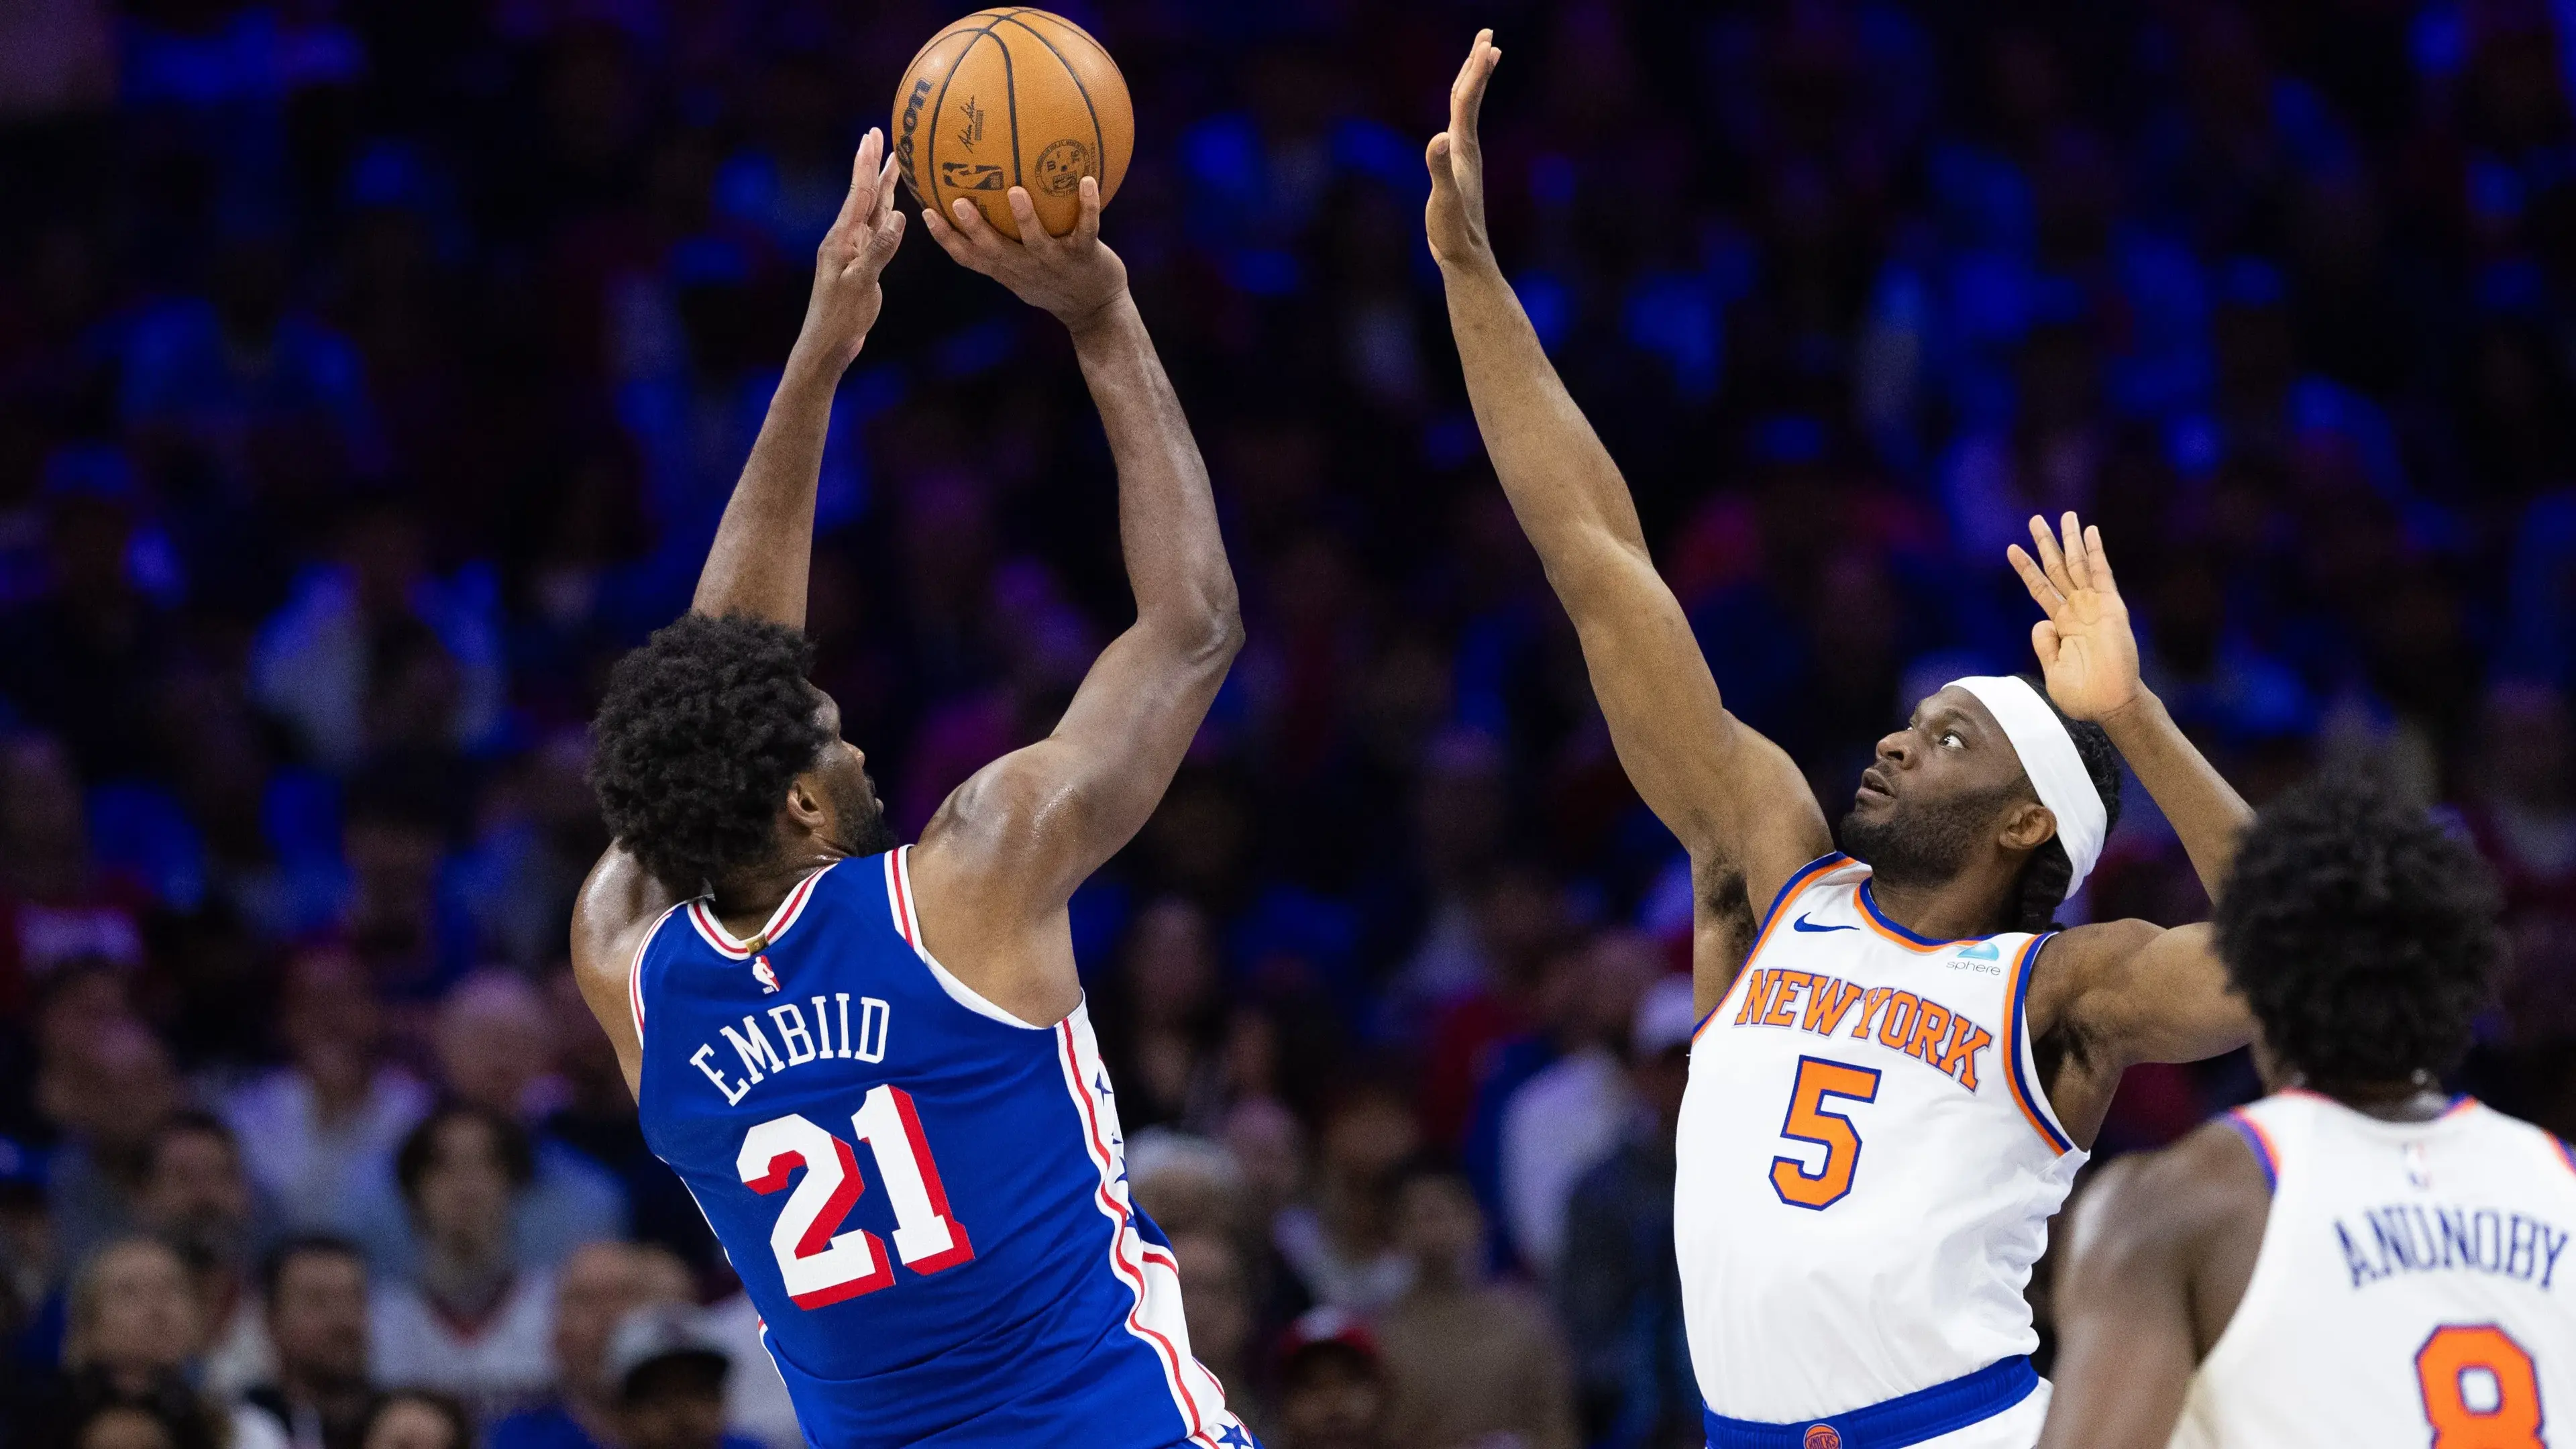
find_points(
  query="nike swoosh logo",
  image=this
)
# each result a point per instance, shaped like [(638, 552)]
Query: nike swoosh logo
[(1801, 924)]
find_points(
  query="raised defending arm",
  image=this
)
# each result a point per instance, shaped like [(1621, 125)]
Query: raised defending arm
[(997, 864), (1735, 800), (2126, 991)]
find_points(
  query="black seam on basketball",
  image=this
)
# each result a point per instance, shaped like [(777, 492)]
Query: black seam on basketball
[(1099, 142), (1011, 100), (939, 108)]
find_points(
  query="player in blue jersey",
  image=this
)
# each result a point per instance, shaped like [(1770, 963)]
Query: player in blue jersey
[(871, 1063)]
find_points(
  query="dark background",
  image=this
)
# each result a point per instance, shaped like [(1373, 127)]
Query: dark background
[(372, 373)]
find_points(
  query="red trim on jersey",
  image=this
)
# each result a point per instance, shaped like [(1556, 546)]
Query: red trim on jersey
[(1122, 1218), (780, 921)]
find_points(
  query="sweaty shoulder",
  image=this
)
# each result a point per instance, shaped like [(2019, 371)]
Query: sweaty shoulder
[(618, 903), (2193, 1212)]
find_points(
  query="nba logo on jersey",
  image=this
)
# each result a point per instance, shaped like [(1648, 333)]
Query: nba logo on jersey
[(1823, 1436), (767, 978)]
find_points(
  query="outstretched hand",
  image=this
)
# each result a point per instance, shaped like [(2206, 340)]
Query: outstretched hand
[(1072, 276), (1454, 218), (854, 253), (2087, 651)]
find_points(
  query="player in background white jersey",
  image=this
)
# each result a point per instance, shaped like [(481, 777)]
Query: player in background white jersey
[(1971, 824), (2359, 1259)]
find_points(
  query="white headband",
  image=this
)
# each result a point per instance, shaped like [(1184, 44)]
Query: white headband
[(2048, 756)]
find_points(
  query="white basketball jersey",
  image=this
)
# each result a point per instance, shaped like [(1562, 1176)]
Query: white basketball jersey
[(1867, 1166), (2414, 1287)]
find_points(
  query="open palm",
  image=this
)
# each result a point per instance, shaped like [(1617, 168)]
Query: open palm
[(2087, 652)]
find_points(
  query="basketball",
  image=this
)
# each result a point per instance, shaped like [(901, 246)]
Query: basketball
[(1013, 97)]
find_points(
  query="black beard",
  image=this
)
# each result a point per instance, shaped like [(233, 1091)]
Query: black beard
[(862, 815), (1920, 845)]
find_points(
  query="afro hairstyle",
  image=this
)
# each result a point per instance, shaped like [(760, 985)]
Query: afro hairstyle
[(2363, 936), (702, 730)]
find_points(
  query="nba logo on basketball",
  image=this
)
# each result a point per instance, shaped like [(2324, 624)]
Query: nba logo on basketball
[(1823, 1436)]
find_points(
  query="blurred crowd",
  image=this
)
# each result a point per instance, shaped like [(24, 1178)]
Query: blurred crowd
[(372, 373)]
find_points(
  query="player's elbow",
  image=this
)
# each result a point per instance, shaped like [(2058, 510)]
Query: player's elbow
[(1208, 633)]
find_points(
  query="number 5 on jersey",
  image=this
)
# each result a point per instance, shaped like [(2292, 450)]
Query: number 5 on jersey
[(819, 1263), (1810, 1119)]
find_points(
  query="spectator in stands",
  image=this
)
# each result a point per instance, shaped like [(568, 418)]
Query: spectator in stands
[(670, 1373), (1572, 1114), (196, 1198), (418, 1419), (1162, 1018), (594, 1291), (107, 1090), (314, 1289), (57, 908), (1467, 1357), (1341, 1243), (318, 1135), (496, 1051), (135, 1331), (1618, 1291), (1332, 1384), (471, 1321), (107, 1422), (1184, 1183), (1216, 1297)]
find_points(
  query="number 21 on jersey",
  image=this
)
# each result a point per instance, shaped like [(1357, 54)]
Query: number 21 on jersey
[(819, 1263), (1813, 1119)]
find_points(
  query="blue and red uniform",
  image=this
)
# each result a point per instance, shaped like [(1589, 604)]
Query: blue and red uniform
[(925, 1196)]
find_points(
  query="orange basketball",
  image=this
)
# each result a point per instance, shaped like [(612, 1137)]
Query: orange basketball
[(1013, 97)]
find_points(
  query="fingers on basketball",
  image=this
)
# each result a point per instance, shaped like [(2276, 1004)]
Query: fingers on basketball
[(1086, 222), (1025, 212)]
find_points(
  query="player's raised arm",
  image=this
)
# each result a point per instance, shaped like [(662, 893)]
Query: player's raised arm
[(1735, 799), (764, 546), (996, 865), (758, 564), (2127, 991)]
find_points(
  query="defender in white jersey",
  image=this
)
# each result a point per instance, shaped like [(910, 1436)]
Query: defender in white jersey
[(2357, 1260), (1869, 1156)]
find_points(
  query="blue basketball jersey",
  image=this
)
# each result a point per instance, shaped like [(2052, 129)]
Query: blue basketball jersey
[(926, 1197)]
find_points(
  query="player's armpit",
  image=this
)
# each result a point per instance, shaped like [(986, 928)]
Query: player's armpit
[(2105, 997), (2134, 991), (2143, 1289), (618, 903)]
